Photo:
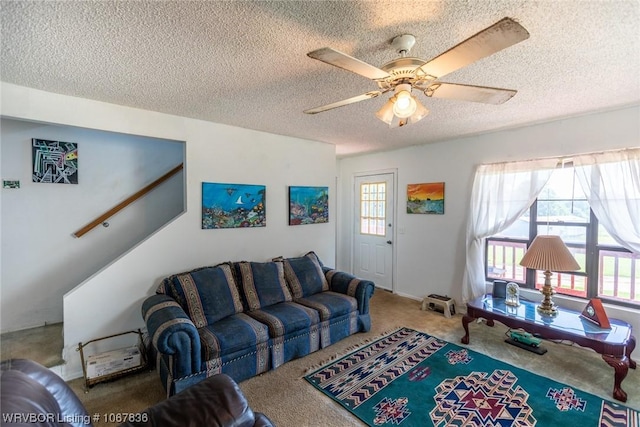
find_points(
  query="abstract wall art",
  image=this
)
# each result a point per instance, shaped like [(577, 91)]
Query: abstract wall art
[(54, 161), (425, 198), (233, 205), (308, 205)]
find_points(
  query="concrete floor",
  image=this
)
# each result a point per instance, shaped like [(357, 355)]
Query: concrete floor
[(42, 344)]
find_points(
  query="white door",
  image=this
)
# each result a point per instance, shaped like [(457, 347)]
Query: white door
[(373, 229)]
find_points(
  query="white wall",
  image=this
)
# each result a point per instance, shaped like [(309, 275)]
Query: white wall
[(110, 301), (42, 259), (431, 251)]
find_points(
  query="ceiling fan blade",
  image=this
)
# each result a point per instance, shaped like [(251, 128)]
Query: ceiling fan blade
[(486, 95), (349, 63), (368, 95), (500, 35)]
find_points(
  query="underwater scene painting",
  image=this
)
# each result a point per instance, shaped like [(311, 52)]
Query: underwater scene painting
[(308, 205), (233, 205), (425, 198)]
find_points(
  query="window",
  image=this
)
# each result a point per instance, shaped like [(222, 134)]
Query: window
[(607, 270), (373, 199)]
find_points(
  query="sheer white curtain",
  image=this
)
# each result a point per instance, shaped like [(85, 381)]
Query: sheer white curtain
[(611, 182), (501, 194)]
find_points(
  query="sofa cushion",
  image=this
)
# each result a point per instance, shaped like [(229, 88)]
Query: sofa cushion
[(231, 334), (286, 318), (263, 283), (304, 275), (206, 294), (330, 304)]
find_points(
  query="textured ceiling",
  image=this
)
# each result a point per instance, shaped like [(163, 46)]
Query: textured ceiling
[(244, 63)]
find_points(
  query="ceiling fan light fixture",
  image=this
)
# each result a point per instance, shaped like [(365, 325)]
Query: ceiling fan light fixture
[(405, 104), (421, 113), (386, 112), (392, 113), (405, 73)]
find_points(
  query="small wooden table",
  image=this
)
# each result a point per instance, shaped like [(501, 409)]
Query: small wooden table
[(615, 344)]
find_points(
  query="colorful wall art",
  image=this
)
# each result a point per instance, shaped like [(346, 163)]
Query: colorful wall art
[(233, 205), (425, 198), (54, 161), (308, 205)]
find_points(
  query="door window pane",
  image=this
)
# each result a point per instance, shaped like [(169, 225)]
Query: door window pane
[(372, 208)]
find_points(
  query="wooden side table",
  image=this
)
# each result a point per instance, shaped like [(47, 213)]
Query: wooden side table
[(615, 345)]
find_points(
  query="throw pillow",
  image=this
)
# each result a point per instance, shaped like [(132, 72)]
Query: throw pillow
[(305, 276), (206, 294), (263, 284)]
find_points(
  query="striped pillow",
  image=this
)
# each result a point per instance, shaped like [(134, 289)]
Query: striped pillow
[(305, 276), (206, 294), (263, 284)]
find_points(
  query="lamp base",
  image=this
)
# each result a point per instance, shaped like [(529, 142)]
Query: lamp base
[(547, 307)]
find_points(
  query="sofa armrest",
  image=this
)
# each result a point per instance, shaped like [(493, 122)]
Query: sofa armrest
[(173, 333), (348, 284), (31, 390)]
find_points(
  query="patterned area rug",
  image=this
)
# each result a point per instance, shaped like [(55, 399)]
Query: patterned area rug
[(409, 378)]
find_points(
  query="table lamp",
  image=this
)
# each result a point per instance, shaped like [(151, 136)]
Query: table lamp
[(548, 253)]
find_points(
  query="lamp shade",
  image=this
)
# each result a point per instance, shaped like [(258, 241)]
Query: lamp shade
[(549, 253), (386, 112)]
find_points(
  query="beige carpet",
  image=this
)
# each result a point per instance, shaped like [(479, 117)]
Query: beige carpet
[(290, 401)]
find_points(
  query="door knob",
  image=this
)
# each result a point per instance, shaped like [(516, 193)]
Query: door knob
[(389, 241)]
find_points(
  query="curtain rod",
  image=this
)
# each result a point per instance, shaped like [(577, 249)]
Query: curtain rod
[(565, 159)]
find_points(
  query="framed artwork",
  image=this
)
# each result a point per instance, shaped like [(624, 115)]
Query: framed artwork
[(233, 205), (425, 198), (308, 205), (54, 161)]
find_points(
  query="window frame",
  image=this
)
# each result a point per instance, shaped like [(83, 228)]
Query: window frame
[(374, 206), (592, 255)]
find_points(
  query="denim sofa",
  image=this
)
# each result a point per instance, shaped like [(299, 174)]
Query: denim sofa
[(246, 318)]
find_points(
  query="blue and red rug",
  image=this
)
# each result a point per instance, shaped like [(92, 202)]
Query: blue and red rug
[(409, 378)]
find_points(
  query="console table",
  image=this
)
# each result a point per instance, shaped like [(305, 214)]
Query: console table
[(615, 344)]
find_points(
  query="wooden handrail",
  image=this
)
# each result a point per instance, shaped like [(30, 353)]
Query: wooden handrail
[(127, 202)]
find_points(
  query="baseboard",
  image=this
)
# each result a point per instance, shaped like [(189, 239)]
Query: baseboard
[(413, 297)]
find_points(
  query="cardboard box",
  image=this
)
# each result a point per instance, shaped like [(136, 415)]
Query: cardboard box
[(110, 362)]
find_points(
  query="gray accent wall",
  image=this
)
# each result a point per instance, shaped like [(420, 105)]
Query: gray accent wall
[(41, 259)]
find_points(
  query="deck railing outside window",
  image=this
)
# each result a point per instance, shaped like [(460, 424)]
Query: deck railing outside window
[(619, 275), (618, 272)]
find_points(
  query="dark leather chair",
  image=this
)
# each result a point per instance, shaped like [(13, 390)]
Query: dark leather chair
[(32, 395)]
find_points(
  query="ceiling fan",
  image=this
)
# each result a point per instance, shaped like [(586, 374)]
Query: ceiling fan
[(404, 74)]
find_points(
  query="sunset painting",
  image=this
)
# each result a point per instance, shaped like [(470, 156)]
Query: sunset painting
[(425, 198)]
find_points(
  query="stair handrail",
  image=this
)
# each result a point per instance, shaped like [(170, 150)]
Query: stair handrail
[(102, 218)]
